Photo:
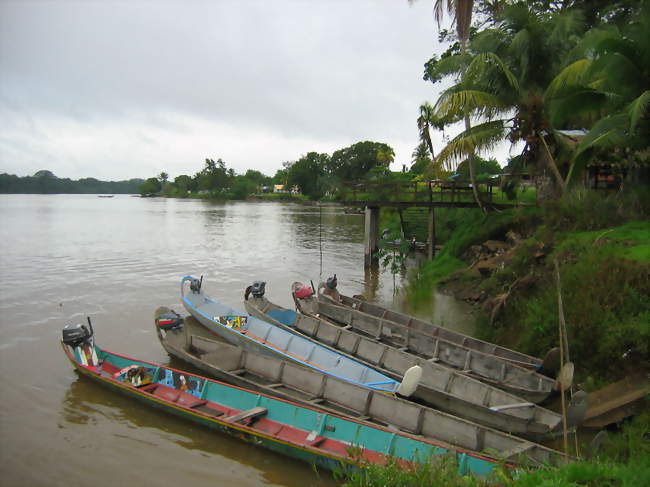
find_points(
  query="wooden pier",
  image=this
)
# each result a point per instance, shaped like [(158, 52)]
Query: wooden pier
[(373, 195)]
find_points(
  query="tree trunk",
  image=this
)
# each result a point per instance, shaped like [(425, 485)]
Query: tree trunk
[(550, 162), (470, 159)]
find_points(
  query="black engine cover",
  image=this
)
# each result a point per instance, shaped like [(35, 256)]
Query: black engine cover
[(74, 335)]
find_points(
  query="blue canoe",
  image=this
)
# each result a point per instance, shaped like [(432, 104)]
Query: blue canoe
[(252, 333)]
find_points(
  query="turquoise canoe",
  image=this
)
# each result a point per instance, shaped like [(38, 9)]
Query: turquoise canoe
[(305, 433), (256, 335)]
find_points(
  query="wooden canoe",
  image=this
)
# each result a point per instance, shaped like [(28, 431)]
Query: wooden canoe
[(520, 381), (310, 434), (257, 335), (441, 387), (286, 380), (332, 296)]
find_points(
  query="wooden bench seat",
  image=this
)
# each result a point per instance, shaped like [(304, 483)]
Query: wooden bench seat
[(247, 415)]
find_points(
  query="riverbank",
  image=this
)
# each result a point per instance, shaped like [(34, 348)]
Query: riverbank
[(504, 264)]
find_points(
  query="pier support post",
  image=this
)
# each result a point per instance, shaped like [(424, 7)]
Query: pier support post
[(371, 236), (431, 236)]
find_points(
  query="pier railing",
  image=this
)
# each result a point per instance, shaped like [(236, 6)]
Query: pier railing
[(416, 191)]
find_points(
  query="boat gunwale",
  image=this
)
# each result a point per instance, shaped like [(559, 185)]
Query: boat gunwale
[(504, 416), (291, 356), (507, 383), (530, 363), (134, 391)]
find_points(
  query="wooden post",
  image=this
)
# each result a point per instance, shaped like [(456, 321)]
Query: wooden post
[(431, 238), (401, 223), (371, 237)]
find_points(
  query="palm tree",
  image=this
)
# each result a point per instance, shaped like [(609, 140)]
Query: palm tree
[(607, 90), (503, 85), (461, 11), (424, 124)]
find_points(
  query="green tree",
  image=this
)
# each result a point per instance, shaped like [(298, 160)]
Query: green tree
[(183, 184), (307, 173), (607, 90), (420, 159), (215, 177), (150, 186), (483, 167), (354, 162), (242, 187), (281, 175), (508, 69)]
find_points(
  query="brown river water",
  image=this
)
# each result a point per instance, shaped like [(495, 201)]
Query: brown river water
[(65, 257)]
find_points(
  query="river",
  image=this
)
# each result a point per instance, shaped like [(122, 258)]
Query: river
[(65, 257)]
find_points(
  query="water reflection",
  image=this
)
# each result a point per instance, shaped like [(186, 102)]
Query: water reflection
[(135, 426), (118, 259)]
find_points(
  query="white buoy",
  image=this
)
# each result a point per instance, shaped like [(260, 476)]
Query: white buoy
[(410, 381)]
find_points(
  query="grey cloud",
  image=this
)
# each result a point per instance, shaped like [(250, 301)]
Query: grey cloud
[(329, 71)]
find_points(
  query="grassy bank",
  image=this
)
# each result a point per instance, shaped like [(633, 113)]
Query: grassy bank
[(602, 245), (623, 460)]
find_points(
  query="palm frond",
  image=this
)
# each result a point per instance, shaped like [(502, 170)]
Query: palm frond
[(580, 106), (475, 102), (638, 109), (608, 132), (479, 138), (572, 75), (448, 66), (520, 47), (484, 61)]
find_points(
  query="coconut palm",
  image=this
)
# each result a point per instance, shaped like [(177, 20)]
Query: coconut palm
[(607, 90), (503, 86)]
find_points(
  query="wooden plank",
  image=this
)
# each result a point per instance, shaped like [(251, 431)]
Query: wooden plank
[(512, 406), (517, 450), (247, 415)]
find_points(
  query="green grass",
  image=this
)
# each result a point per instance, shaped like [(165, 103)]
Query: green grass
[(623, 461), (629, 241)]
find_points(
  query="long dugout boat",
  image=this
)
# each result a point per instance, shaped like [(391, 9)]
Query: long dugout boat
[(501, 373), (328, 293), (254, 334), (310, 434), (441, 387), (273, 376)]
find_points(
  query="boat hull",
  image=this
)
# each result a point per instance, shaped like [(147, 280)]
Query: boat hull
[(325, 440), (505, 375), (441, 387), (259, 336)]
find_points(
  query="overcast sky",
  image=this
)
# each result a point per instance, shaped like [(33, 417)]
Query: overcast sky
[(122, 89)]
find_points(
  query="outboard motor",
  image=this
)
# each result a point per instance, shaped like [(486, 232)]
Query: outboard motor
[(195, 285), (75, 335), (331, 282), (257, 289), (80, 339), (303, 292), (169, 319)]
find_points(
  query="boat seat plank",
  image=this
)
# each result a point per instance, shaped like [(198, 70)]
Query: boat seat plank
[(247, 415), (198, 404), (314, 439), (513, 406), (151, 387), (517, 450), (166, 393), (190, 401)]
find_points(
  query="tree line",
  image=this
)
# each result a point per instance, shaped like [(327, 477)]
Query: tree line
[(314, 174), (45, 182)]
